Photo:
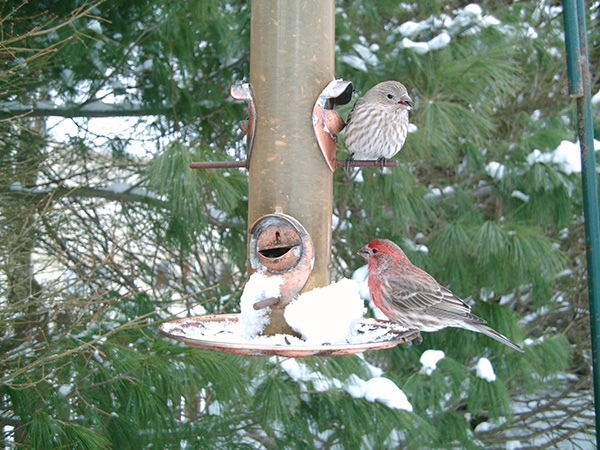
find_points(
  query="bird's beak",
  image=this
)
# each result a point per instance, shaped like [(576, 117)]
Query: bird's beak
[(406, 100), (365, 252)]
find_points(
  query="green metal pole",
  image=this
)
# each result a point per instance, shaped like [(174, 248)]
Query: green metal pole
[(291, 62), (576, 32), (572, 44)]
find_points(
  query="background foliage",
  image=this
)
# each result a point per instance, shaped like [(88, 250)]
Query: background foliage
[(106, 232)]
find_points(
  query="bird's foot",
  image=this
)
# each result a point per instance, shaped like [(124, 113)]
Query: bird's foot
[(418, 338), (381, 163), (347, 166)]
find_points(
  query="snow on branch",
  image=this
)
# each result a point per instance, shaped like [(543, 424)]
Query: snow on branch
[(111, 192), (93, 109)]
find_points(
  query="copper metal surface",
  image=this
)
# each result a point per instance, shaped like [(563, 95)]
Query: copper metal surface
[(396, 335), (294, 264), (243, 91), (217, 164), (327, 123), (339, 163)]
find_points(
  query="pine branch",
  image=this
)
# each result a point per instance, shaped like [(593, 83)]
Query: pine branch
[(84, 10), (84, 192), (89, 110)]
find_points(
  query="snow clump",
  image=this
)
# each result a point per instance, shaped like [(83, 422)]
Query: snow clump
[(485, 370), (328, 314), (259, 287), (429, 360)]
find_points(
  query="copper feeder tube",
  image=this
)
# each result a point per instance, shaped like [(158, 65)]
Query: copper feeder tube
[(291, 62)]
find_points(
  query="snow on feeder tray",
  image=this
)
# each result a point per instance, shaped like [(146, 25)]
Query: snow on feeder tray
[(275, 320)]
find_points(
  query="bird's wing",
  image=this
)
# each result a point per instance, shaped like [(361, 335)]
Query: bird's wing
[(425, 294)]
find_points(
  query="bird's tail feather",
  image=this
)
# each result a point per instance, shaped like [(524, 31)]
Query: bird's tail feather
[(480, 328)]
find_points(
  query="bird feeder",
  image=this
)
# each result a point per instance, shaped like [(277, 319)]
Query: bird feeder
[(291, 142), (280, 246)]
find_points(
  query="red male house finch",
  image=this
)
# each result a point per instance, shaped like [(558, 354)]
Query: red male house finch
[(378, 123), (413, 298)]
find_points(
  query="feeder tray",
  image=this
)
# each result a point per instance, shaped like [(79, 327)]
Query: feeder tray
[(204, 331)]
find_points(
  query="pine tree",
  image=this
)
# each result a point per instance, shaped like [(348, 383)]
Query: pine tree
[(100, 244)]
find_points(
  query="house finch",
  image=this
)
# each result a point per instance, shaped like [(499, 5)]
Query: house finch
[(413, 298), (378, 123)]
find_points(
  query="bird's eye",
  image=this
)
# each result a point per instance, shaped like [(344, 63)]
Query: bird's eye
[(390, 96), (375, 251)]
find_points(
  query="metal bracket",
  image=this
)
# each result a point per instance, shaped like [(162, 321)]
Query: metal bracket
[(243, 91), (327, 122), (281, 246)]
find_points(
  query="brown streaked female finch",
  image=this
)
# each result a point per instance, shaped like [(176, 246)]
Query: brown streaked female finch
[(411, 297), (378, 123)]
